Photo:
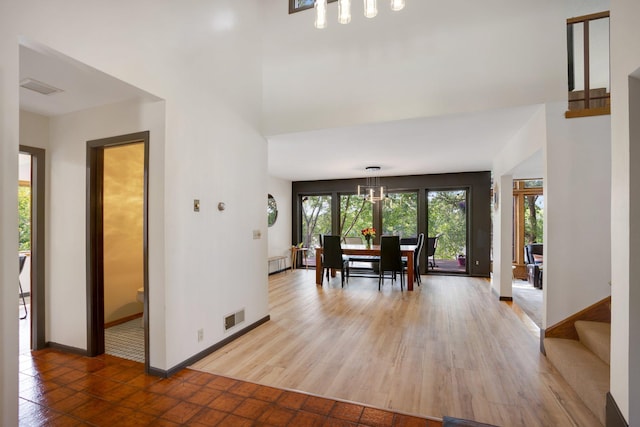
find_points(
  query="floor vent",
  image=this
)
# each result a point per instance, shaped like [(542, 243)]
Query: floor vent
[(233, 319)]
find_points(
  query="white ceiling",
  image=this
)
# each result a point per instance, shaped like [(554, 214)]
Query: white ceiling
[(457, 143), (82, 86)]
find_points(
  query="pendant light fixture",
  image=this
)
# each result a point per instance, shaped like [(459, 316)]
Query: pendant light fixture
[(344, 11), (373, 191), (321, 14), (370, 8), (397, 5)]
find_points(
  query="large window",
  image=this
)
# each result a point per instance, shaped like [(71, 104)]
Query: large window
[(447, 220), (528, 211), (400, 214), (316, 220), (355, 214), (331, 207)]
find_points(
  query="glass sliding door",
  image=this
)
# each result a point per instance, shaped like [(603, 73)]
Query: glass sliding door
[(355, 214), (446, 246), (316, 220), (400, 214)]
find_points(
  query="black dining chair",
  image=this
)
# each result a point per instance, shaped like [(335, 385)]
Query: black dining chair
[(432, 245), (416, 257), (22, 259), (390, 259), (333, 258)]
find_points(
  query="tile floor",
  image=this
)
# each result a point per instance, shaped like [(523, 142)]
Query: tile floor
[(125, 340), (60, 389)]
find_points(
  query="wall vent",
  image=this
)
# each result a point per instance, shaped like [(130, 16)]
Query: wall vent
[(233, 319), (39, 87)]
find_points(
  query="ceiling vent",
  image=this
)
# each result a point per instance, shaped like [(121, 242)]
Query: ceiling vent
[(39, 87)]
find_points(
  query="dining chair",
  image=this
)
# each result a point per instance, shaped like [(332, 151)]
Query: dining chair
[(432, 245), (333, 258), (22, 259), (419, 242), (390, 259)]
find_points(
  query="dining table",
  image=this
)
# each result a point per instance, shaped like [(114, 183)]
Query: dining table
[(374, 250)]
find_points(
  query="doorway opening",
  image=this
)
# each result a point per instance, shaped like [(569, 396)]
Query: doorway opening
[(31, 184), (447, 225), (117, 240)]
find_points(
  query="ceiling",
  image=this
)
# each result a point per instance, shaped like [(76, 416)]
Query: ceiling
[(456, 143), (82, 86)]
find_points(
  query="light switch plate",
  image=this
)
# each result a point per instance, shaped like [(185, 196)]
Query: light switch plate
[(196, 205)]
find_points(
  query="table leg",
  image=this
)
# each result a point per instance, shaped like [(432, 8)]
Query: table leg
[(318, 266), (410, 273), (294, 257)]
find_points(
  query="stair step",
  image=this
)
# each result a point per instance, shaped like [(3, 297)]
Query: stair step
[(596, 336), (585, 372)]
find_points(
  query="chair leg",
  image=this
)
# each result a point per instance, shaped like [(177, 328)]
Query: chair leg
[(24, 304)]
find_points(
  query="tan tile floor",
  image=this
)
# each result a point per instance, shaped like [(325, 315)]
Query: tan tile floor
[(60, 389)]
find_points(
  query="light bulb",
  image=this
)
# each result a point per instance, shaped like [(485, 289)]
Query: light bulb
[(344, 11), (370, 8), (321, 14), (397, 5)]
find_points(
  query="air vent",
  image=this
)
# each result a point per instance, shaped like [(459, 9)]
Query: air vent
[(233, 319), (39, 87)]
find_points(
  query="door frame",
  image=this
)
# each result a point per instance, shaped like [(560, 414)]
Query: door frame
[(38, 169), (95, 256)]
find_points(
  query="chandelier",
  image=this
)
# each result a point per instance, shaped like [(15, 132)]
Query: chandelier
[(344, 10), (372, 191)]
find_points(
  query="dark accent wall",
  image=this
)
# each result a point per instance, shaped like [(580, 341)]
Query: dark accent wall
[(478, 185)]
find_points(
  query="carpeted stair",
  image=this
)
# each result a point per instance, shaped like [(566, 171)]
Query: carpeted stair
[(584, 364)]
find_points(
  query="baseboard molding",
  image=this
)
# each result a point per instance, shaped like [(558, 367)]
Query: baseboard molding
[(66, 348), (193, 359), (123, 320), (614, 416), (506, 298), (279, 271), (598, 312)]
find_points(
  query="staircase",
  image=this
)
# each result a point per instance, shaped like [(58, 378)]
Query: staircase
[(584, 363)]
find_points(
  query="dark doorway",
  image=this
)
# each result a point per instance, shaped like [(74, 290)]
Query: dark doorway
[(96, 239)]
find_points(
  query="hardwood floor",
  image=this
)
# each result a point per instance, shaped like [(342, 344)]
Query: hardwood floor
[(448, 348)]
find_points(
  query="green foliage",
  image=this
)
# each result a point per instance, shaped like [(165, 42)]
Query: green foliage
[(316, 220), (355, 215), (400, 214), (24, 218), (533, 218), (447, 215)]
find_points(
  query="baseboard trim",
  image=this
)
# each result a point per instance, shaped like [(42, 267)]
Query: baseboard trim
[(123, 320), (542, 349), (193, 359), (282, 270), (614, 417), (66, 348), (506, 298)]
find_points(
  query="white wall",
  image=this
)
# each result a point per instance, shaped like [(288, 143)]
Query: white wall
[(625, 241), (66, 211), (204, 60), (9, 125), (576, 175), (577, 188), (525, 144), (280, 232)]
